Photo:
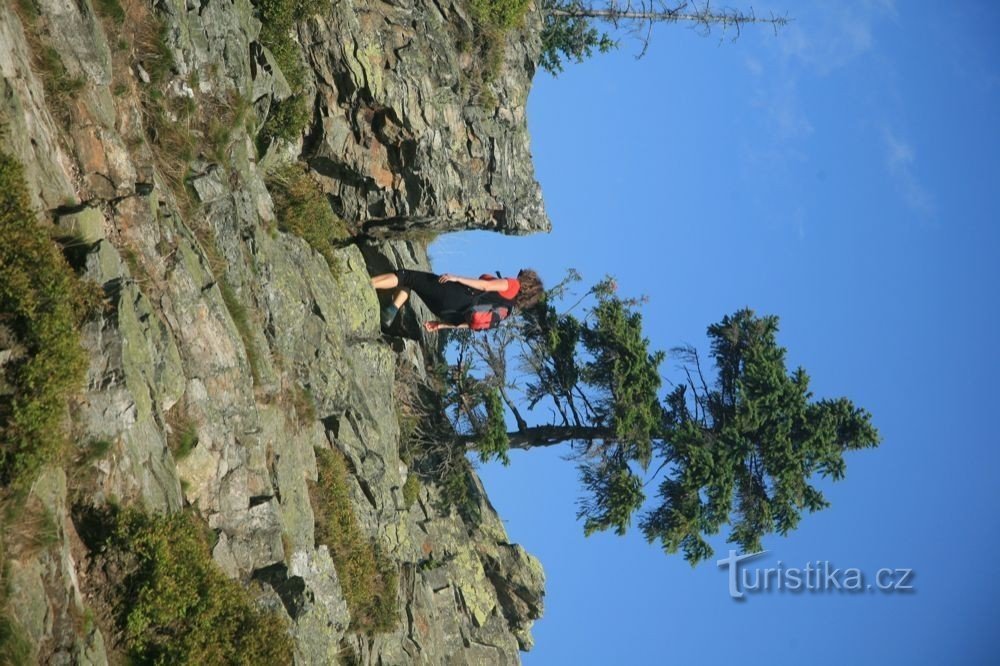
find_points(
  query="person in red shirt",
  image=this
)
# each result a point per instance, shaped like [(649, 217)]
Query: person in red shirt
[(455, 300)]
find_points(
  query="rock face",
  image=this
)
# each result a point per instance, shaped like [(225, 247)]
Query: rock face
[(219, 323), (404, 134)]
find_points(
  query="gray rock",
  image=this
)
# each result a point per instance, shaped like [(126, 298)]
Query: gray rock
[(405, 138), (221, 326)]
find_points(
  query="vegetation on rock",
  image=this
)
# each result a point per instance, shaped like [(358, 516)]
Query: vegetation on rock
[(178, 607), (289, 117), (492, 21), (302, 209), (368, 578), (411, 490), (42, 303)]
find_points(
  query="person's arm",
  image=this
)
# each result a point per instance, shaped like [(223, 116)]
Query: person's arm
[(440, 325), (500, 284)]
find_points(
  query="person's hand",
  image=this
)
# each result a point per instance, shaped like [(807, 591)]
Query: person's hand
[(448, 277), (432, 325)]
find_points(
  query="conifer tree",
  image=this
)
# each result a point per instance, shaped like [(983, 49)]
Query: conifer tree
[(744, 449), (569, 30)]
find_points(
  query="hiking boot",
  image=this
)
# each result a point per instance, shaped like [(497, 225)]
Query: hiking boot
[(389, 313)]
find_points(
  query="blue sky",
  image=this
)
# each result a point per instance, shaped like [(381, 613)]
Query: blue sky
[(844, 176)]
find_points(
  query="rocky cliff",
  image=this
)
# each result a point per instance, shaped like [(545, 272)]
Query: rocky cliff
[(234, 349)]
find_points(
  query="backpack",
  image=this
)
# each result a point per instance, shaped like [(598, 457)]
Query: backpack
[(488, 309)]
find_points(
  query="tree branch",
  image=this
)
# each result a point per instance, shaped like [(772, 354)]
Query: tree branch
[(549, 435)]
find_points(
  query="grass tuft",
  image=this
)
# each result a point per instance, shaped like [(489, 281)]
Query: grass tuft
[(238, 311), (492, 21), (285, 120), (93, 450), (15, 645), (302, 209), (182, 440), (303, 406), (111, 9), (368, 578)]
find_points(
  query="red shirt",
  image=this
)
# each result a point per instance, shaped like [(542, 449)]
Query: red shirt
[(513, 286)]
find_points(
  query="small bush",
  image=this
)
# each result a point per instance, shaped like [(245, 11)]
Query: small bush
[(302, 209), (42, 303), (502, 14), (93, 450), (278, 19), (369, 580), (286, 120), (180, 608), (29, 10), (458, 490), (492, 20), (492, 441), (411, 490)]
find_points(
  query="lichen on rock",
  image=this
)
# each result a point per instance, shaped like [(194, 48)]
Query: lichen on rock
[(240, 338)]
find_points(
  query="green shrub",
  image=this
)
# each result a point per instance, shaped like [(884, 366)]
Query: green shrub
[(179, 607), (411, 490), (29, 9), (303, 405), (458, 490), (502, 14), (302, 209), (285, 120), (278, 19), (42, 303), (492, 20), (93, 450), (492, 441), (369, 580), (289, 117)]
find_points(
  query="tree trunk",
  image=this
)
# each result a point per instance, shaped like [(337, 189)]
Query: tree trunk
[(706, 17), (550, 435)]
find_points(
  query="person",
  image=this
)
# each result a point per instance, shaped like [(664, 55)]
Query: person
[(460, 302)]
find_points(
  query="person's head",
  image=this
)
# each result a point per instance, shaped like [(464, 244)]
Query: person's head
[(531, 289)]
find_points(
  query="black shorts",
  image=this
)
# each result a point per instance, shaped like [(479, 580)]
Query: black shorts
[(449, 301)]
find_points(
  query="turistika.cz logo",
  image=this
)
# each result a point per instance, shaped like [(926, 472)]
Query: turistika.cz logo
[(817, 576)]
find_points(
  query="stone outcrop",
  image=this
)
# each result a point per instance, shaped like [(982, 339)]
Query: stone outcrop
[(218, 323), (405, 135)]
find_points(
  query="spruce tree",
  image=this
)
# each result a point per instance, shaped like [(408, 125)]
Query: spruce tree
[(744, 449)]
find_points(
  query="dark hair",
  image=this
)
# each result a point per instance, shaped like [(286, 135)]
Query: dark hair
[(531, 290)]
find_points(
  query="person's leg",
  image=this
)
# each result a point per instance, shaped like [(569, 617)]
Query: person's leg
[(385, 281), (437, 296), (390, 311), (400, 297)]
